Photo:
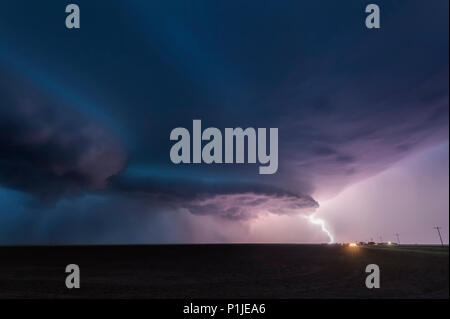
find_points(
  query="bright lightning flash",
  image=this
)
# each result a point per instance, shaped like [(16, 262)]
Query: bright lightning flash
[(317, 221)]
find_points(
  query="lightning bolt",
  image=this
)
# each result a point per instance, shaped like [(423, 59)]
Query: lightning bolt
[(317, 221)]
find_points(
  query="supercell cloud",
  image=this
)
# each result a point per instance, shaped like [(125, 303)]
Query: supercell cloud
[(348, 102), (50, 150)]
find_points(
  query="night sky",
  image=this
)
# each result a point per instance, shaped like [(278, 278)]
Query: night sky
[(85, 119)]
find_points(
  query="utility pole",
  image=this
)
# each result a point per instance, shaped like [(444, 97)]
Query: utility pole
[(439, 233), (398, 238)]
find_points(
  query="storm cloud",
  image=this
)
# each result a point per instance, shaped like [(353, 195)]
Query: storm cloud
[(348, 102), (48, 149), (231, 200)]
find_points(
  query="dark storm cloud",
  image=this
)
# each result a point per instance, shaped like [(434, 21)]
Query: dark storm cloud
[(366, 132), (243, 206), (48, 149), (348, 102), (232, 200)]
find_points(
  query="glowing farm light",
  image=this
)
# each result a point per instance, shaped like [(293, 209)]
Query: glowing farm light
[(352, 245)]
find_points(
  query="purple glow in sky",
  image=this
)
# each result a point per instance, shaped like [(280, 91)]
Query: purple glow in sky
[(409, 198)]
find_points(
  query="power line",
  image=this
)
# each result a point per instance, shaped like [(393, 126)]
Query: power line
[(398, 238), (439, 233)]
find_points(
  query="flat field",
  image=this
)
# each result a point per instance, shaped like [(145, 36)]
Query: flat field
[(224, 271)]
